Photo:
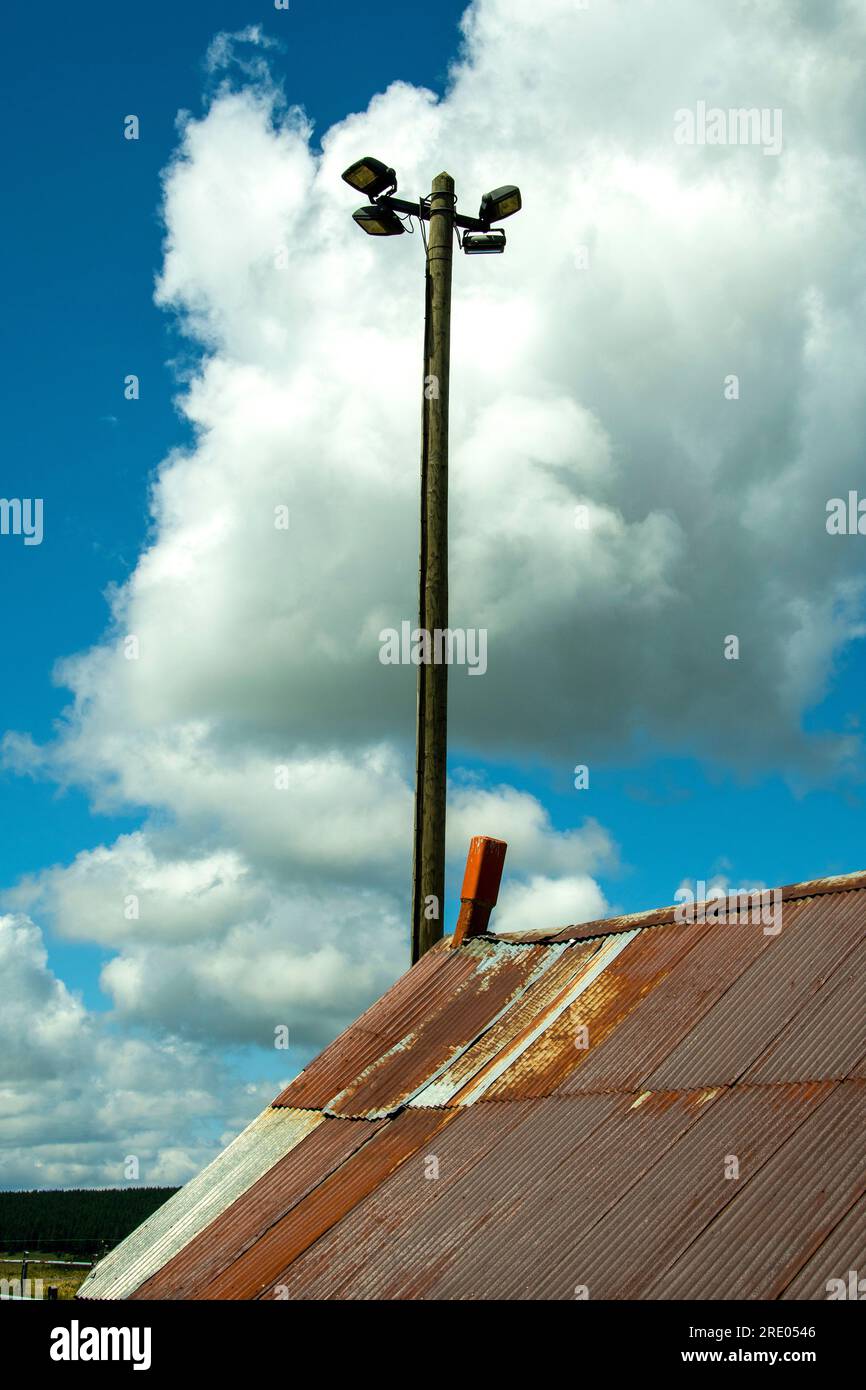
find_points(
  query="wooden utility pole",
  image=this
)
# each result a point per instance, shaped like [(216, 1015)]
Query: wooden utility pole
[(428, 879)]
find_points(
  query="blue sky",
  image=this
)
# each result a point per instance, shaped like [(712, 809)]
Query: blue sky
[(85, 246), (85, 243), (676, 796)]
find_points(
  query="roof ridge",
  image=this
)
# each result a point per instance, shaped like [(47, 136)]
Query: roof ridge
[(665, 916)]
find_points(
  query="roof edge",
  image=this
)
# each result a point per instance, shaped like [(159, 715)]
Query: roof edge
[(664, 916)]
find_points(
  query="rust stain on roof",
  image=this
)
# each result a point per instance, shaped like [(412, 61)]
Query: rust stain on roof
[(774, 1223), (501, 976), (524, 1028), (470, 1152), (366, 1169), (705, 962), (769, 992), (580, 1031), (517, 1117), (246, 1220)]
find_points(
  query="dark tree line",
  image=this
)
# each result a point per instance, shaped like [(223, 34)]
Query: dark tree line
[(81, 1223)]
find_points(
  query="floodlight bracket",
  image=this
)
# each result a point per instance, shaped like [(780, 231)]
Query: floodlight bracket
[(422, 212)]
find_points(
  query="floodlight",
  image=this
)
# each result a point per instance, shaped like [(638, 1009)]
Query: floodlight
[(378, 221), (484, 243), (370, 176), (501, 203)]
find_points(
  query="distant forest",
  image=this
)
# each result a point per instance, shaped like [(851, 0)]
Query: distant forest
[(80, 1222)]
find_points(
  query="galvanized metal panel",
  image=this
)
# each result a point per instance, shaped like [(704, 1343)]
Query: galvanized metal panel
[(476, 1069), (501, 975), (547, 1016), (779, 1219), (827, 1037), (816, 936), (270, 1199), (259, 1267), (271, 1135)]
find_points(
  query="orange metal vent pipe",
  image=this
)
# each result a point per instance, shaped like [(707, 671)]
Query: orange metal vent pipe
[(480, 886)]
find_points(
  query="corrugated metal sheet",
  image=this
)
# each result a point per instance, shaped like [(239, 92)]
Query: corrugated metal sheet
[(260, 1266), (640, 1190), (779, 1219), (530, 1200), (456, 1143), (663, 916), (705, 961), (817, 936), (502, 975), (629, 978), (254, 1152), (826, 1037), (844, 1250), (563, 982), (465, 995), (374, 1231), (591, 1171), (268, 1201), (650, 1227)]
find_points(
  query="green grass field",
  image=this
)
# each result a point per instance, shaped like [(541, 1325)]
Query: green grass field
[(67, 1281)]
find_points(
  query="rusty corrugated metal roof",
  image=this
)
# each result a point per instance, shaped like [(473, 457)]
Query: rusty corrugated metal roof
[(262, 1265), (602, 1010), (620, 1201), (843, 1250), (769, 992), (489, 1228), (192, 1209), (502, 976), (244, 1221), (692, 967), (824, 1038), (777, 1220), (521, 1027), (379, 1234), (648, 1108), (407, 1047), (662, 916)]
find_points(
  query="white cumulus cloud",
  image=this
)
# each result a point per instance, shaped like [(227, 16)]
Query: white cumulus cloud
[(589, 367)]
